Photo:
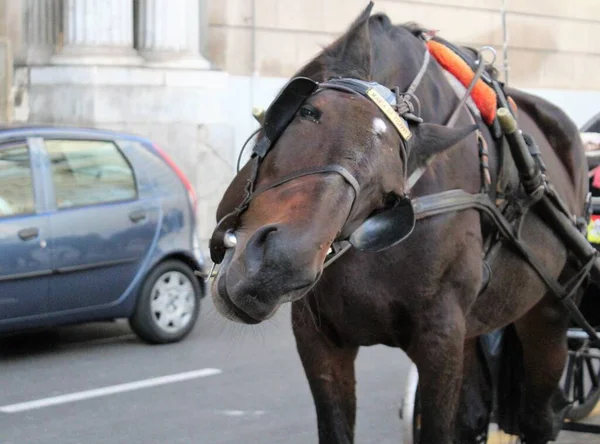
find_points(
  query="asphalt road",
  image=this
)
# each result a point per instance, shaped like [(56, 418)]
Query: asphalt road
[(259, 396)]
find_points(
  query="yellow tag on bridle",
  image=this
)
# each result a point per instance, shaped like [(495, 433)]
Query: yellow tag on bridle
[(390, 113)]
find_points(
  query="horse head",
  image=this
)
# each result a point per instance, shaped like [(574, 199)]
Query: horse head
[(329, 165)]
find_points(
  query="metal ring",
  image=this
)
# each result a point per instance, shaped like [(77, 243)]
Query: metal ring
[(229, 239), (492, 50)]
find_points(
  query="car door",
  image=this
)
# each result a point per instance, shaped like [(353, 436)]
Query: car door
[(24, 230), (101, 230)]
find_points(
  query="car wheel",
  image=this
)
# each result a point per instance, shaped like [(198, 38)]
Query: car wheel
[(168, 304)]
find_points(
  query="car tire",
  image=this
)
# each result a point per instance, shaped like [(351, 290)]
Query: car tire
[(168, 304)]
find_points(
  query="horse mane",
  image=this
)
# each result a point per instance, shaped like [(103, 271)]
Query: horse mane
[(335, 60), (415, 28)]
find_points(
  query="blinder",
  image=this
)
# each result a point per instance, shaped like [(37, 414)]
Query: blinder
[(385, 229), (282, 110)]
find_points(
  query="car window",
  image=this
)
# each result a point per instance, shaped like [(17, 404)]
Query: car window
[(89, 172), (16, 186)]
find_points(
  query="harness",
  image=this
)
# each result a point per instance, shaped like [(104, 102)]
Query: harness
[(393, 225)]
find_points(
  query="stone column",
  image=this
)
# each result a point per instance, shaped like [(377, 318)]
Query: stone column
[(40, 20), (97, 32), (169, 35)]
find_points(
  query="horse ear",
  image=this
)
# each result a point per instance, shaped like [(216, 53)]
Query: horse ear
[(430, 139), (351, 55)]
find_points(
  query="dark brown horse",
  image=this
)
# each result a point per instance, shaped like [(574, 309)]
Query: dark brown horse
[(423, 295)]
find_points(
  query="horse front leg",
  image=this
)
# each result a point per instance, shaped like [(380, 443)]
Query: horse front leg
[(438, 353), (329, 368), (542, 332), (476, 396)]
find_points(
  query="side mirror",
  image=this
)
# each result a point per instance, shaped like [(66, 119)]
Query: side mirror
[(385, 229)]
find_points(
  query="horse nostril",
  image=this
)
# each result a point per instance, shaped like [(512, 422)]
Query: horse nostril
[(261, 236), (255, 248), (264, 232)]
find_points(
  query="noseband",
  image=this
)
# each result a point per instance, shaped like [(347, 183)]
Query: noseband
[(397, 108)]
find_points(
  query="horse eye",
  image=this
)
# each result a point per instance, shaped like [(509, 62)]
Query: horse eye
[(309, 112)]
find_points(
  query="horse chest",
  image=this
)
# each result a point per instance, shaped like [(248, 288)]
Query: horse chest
[(350, 318)]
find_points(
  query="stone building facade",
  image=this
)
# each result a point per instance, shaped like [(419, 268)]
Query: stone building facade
[(136, 66), (187, 73), (551, 43)]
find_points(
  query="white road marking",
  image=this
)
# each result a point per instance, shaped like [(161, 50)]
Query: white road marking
[(108, 390), (241, 412)]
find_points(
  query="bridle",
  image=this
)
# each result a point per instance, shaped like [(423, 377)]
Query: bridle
[(398, 109)]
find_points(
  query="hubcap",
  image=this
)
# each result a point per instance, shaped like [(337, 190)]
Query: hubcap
[(172, 302)]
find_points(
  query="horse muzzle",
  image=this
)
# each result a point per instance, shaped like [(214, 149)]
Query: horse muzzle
[(267, 271)]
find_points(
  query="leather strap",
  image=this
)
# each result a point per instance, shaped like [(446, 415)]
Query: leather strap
[(348, 177), (417, 80), (456, 200), (230, 221)]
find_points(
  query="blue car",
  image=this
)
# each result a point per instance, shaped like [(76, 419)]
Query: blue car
[(96, 225)]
